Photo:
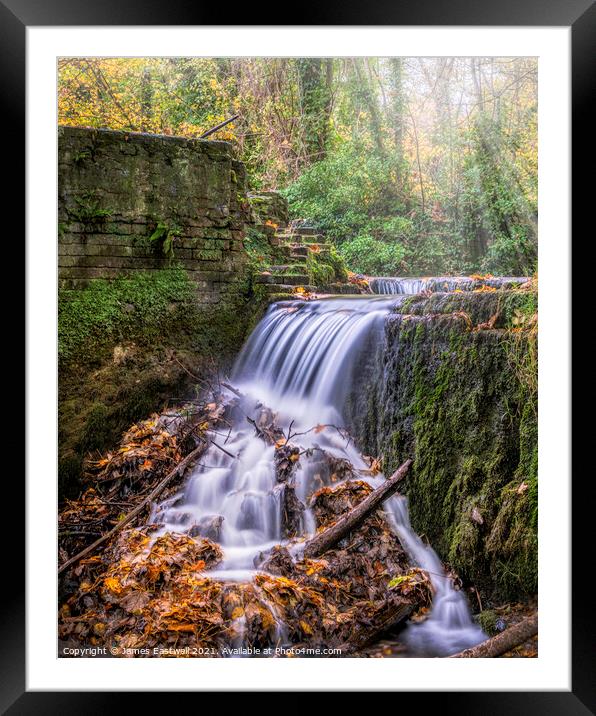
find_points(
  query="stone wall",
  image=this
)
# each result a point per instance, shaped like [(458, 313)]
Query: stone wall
[(130, 202)]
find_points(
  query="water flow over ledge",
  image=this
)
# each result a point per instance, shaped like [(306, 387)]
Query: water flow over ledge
[(393, 285), (299, 362)]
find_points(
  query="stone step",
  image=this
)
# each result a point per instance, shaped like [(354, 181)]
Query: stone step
[(297, 250), (314, 239), (294, 267), (304, 249), (305, 230), (282, 237), (342, 288), (285, 289), (298, 239), (278, 288), (293, 279)]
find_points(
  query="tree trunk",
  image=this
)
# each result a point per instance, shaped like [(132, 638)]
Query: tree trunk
[(146, 100), (397, 107), (369, 100), (314, 80)]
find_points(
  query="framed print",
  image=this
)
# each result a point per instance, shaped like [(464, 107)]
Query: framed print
[(298, 353)]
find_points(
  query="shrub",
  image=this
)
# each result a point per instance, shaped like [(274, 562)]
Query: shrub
[(345, 191), (365, 254)]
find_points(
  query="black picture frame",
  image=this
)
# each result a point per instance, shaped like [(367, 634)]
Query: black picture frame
[(580, 15)]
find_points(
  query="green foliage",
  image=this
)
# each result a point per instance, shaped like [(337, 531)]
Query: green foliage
[(500, 216), (337, 263), (79, 157), (367, 255), (258, 248), (163, 239), (351, 195), (88, 210), (364, 147), (347, 193)]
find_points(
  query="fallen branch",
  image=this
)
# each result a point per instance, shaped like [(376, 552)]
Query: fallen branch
[(226, 452), (509, 639), (331, 536), (232, 389), (218, 126), (365, 634), (179, 469)]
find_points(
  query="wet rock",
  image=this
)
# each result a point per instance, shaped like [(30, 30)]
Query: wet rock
[(277, 561), (208, 527)]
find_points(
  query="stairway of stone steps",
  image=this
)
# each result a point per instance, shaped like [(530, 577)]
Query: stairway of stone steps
[(294, 244)]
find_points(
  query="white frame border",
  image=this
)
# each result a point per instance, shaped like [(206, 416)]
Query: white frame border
[(551, 670)]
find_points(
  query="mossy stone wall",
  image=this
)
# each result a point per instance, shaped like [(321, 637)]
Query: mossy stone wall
[(156, 296), (448, 388), (129, 201)]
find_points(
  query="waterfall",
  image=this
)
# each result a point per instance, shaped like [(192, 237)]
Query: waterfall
[(300, 362), (394, 285), (388, 285)]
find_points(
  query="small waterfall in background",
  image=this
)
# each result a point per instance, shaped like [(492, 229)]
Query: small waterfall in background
[(436, 284), (299, 363)]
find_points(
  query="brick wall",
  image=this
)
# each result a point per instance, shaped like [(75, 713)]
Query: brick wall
[(116, 188)]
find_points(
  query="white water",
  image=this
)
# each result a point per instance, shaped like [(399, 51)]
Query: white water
[(300, 362), (397, 286)]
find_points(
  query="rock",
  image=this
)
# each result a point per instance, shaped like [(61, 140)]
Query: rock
[(277, 561), (208, 527)]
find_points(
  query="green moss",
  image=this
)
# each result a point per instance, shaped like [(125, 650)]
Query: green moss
[(140, 308), (326, 267), (261, 252), (96, 406), (338, 264), (487, 619), (319, 272), (96, 431), (132, 346), (451, 398), (518, 306)]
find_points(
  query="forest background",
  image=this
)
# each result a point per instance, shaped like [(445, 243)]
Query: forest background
[(412, 166)]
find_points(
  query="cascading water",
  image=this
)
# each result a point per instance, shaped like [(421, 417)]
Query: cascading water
[(396, 286), (299, 362)]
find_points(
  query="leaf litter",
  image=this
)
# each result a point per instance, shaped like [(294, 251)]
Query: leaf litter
[(148, 592)]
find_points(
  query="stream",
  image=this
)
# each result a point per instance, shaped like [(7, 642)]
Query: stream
[(299, 363)]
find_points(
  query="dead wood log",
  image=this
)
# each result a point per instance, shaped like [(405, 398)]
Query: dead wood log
[(503, 642), (178, 470), (331, 536), (365, 634)]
